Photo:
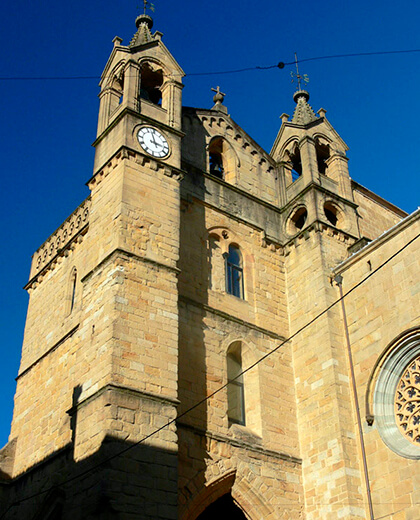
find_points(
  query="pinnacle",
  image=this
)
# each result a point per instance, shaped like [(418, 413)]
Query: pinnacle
[(143, 35), (304, 113)]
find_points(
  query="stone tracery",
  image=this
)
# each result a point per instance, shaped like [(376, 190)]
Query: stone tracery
[(407, 402)]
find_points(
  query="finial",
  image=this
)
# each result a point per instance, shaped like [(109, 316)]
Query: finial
[(299, 77), (219, 96), (218, 100)]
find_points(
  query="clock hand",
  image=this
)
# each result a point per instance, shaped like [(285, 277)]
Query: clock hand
[(153, 139)]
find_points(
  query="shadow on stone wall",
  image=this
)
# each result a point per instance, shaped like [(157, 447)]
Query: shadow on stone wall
[(122, 481), (193, 286)]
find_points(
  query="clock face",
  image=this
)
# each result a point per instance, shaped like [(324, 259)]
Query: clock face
[(153, 142)]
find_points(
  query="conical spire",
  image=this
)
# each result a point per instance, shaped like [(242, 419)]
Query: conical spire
[(144, 23), (304, 113)]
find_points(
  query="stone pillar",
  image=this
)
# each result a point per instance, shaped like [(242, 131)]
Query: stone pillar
[(104, 108), (172, 102), (338, 170), (131, 85), (308, 157)]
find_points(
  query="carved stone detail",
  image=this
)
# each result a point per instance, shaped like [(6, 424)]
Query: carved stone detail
[(78, 220), (407, 402)]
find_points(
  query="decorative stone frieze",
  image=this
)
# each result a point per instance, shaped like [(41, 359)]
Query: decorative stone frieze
[(61, 239)]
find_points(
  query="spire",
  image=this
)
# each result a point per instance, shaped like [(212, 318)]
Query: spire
[(144, 23), (304, 113)]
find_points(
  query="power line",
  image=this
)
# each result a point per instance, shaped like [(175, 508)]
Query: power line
[(202, 401), (279, 65)]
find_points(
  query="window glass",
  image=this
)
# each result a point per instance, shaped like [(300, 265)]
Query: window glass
[(235, 389), (234, 273)]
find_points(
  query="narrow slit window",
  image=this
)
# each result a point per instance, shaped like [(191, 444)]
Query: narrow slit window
[(73, 290), (234, 273), (235, 388)]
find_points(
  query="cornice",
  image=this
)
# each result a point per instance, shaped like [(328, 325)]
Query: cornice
[(129, 111), (318, 226), (127, 153), (240, 443), (230, 317), (112, 387), (378, 199), (121, 251)]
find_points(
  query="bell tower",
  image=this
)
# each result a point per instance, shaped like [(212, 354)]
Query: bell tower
[(316, 186), (141, 86), (320, 223), (101, 338)]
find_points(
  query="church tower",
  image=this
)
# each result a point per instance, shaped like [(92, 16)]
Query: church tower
[(185, 356), (106, 353), (321, 223)]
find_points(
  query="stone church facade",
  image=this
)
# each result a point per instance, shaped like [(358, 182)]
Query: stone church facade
[(217, 329)]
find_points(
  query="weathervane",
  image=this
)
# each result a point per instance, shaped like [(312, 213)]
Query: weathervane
[(298, 76), (148, 5)]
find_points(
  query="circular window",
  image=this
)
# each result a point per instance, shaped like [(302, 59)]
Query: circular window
[(407, 403), (397, 398), (333, 214), (297, 220)]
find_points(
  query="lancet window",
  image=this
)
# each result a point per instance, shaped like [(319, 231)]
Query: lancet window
[(234, 272), (235, 388)]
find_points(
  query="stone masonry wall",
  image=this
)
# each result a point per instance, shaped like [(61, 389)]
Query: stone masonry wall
[(327, 436), (380, 310)]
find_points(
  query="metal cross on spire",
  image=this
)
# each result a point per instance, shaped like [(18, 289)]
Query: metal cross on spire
[(219, 96), (299, 77), (148, 5)]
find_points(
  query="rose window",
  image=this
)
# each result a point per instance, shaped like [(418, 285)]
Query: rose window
[(407, 402)]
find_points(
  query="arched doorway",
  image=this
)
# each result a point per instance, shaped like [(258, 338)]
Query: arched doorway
[(223, 507)]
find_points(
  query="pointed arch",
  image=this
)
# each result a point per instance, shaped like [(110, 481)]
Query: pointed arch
[(291, 159), (246, 498)]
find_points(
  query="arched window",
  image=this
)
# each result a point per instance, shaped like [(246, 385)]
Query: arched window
[(234, 272), (296, 164), (151, 80), (322, 156), (216, 158), (235, 387)]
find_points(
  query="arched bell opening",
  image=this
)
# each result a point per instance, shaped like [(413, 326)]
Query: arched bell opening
[(216, 163), (322, 156), (296, 163), (222, 159), (151, 81), (223, 507), (116, 90)]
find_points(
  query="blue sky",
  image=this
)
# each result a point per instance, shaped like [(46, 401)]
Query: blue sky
[(48, 125)]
